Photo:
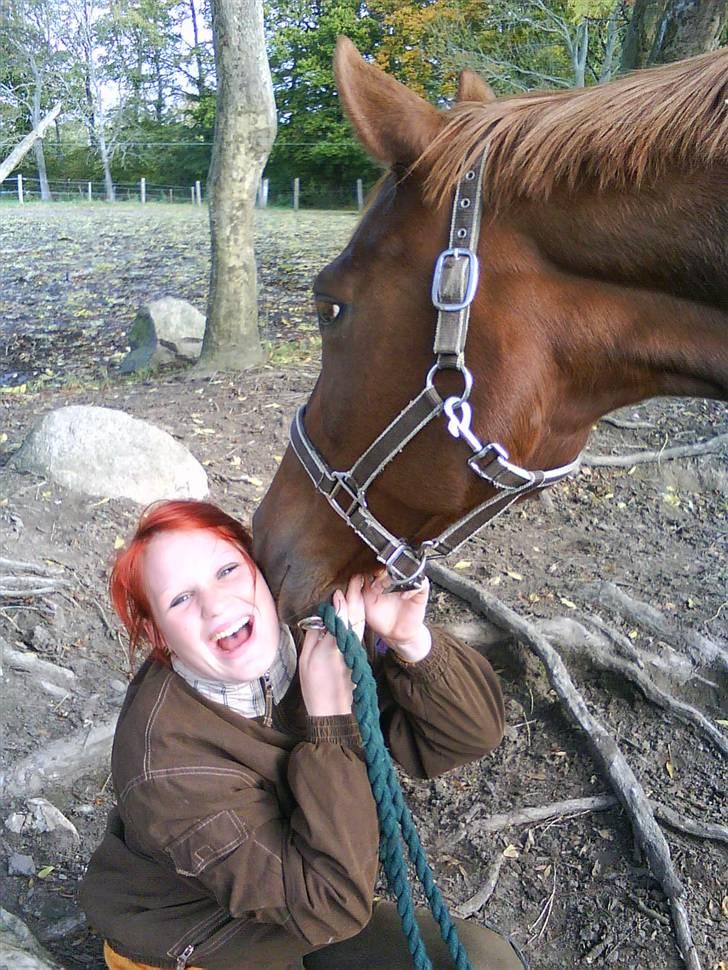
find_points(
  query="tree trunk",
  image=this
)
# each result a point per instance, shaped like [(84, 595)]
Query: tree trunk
[(640, 35), (20, 151), (662, 31), (245, 126), (688, 27)]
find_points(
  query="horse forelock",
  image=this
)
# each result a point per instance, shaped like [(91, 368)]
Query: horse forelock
[(628, 133)]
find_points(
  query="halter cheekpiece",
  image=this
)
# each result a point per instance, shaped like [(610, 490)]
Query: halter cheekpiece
[(454, 284)]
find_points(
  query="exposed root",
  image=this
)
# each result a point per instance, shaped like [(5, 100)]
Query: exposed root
[(604, 748), (709, 447), (703, 650), (577, 638)]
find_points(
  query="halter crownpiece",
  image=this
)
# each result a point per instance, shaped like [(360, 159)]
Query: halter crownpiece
[(454, 284)]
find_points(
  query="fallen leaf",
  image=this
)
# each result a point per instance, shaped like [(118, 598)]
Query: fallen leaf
[(567, 602), (463, 564), (45, 872), (514, 575), (118, 542), (511, 852), (669, 768)]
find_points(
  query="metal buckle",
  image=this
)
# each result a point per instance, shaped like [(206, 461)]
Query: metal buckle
[(467, 381), (494, 452), (343, 483), (472, 279), (402, 581)]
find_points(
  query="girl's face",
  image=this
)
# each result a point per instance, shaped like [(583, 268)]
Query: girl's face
[(213, 610)]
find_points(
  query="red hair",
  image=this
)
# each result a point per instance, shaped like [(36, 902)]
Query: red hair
[(126, 583)]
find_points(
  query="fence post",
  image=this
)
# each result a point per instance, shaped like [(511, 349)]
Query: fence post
[(296, 193), (263, 194), (21, 197), (171, 195), (359, 194), (90, 192), (143, 191), (198, 192)]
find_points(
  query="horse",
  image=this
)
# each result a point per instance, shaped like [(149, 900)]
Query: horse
[(526, 265)]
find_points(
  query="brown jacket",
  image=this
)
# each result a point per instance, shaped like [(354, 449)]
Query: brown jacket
[(238, 846)]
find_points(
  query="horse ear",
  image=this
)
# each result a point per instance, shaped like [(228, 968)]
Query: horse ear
[(472, 87), (394, 124)]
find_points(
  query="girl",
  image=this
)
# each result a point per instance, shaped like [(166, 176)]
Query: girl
[(246, 834)]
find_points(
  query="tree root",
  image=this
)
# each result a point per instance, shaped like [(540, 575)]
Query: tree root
[(573, 807), (701, 649), (606, 753), (577, 638), (476, 902), (709, 447)]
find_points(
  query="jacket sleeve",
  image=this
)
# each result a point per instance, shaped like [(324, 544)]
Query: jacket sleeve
[(312, 871), (443, 711)]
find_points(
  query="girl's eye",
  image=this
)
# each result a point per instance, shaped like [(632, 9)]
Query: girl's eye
[(226, 570), (182, 598), (328, 312)]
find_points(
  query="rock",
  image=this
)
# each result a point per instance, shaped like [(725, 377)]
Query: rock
[(164, 331), (20, 865), (16, 822), (60, 762), (47, 818), (25, 660), (19, 949), (105, 452)]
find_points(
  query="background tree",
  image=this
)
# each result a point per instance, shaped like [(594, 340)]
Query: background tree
[(661, 31), (245, 127)]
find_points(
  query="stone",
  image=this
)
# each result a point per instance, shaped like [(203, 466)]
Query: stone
[(16, 822), (19, 949), (47, 818), (164, 331), (20, 865), (107, 453)]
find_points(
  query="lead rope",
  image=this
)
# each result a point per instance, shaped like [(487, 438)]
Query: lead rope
[(395, 820)]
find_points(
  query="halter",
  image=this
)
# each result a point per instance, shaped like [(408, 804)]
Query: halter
[(454, 284)]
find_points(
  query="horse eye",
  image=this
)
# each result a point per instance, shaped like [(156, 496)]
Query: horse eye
[(328, 312)]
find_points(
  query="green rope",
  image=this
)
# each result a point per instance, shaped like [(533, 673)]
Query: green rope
[(395, 820)]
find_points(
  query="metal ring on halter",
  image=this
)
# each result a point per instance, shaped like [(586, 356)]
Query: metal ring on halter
[(311, 623), (467, 378)]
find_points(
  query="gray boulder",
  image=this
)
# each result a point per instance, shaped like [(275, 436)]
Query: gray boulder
[(164, 331), (105, 452), (19, 949)]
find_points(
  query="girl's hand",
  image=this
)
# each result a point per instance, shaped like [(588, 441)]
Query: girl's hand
[(326, 682), (398, 618)]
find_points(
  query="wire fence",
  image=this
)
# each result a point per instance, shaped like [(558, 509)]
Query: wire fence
[(295, 194)]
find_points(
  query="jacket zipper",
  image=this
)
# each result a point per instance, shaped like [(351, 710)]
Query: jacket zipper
[(184, 956), (268, 690)]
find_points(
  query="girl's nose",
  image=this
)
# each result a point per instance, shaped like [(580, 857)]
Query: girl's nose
[(211, 604)]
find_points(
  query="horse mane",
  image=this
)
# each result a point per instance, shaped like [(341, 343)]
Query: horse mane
[(628, 133)]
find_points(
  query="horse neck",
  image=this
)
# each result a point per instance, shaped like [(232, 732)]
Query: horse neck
[(649, 271)]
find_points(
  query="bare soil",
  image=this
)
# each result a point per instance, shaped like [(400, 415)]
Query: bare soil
[(572, 892)]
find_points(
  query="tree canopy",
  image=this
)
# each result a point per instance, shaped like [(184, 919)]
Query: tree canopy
[(136, 78)]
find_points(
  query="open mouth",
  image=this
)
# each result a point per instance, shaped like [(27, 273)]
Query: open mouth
[(236, 635)]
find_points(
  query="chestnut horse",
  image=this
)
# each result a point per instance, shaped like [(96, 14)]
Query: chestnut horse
[(603, 263)]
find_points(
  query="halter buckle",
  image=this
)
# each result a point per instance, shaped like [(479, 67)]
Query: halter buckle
[(344, 483), (442, 269), (401, 581)]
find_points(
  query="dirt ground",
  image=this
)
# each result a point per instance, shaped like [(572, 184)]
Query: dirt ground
[(572, 892)]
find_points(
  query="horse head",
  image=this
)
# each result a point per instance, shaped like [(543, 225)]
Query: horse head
[(592, 294)]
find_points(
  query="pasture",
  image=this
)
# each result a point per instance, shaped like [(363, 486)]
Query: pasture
[(570, 890)]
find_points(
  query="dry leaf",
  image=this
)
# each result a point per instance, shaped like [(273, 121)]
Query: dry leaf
[(567, 602), (463, 564), (514, 575), (670, 769), (118, 542), (511, 852)]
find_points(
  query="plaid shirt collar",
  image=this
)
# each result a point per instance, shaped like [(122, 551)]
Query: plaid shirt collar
[(248, 697)]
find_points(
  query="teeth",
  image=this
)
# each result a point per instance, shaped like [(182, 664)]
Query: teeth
[(239, 624)]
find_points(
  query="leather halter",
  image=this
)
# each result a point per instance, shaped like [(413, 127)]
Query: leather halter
[(454, 283)]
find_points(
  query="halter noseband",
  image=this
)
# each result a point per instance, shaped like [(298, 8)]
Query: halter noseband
[(454, 284)]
